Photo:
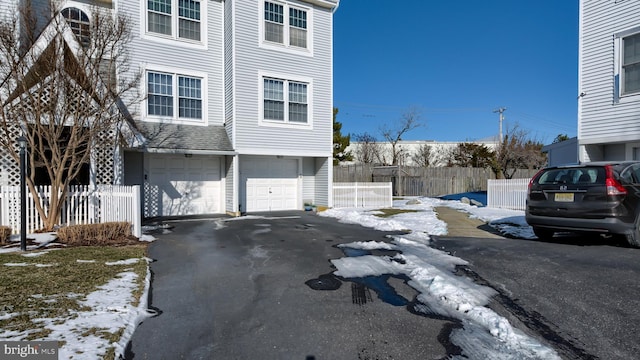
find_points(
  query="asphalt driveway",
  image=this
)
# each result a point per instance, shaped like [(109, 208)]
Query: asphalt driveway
[(237, 290)]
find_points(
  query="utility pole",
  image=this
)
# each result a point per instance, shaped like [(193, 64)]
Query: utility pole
[(500, 111)]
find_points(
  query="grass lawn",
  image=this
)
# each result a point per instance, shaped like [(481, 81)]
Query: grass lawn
[(52, 284)]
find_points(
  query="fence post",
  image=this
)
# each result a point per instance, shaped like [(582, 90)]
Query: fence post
[(137, 216), (355, 202)]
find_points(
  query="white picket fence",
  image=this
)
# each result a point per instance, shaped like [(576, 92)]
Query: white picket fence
[(507, 193), (358, 194), (83, 205)]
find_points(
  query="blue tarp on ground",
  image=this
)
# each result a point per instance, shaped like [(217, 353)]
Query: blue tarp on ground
[(479, 196)]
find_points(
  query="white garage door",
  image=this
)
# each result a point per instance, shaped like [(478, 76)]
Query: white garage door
[(270, 184), (180, 185)]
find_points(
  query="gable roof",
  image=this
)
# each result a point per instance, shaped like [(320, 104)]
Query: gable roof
[(57, 28), (35, 69)]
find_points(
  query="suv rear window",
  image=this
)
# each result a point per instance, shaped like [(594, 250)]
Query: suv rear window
[(573, 176)]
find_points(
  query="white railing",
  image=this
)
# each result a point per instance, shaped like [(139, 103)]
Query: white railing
[(358, 194), (507, 193), (83, 205)]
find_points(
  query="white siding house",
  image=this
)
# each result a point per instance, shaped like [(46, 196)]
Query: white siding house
[(236, 109), (609, 80), (279, 102)]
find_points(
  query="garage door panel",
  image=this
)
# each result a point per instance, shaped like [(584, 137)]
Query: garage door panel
[(183, 186), (270, 184)]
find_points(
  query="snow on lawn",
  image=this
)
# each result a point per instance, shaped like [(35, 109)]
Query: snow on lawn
[(41, 240), (109, 308), (484, 334)]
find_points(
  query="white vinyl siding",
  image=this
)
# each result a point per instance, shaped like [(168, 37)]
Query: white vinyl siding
[(8, 10), (308, 180), (159, 54), (252, 64), (323, 181), (606, 113), (231, 192), (229, 96)]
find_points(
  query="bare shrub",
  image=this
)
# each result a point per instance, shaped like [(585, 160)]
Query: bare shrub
[(5, 232), (110, 233)]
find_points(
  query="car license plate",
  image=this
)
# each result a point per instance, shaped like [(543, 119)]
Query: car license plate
[(564, 197)]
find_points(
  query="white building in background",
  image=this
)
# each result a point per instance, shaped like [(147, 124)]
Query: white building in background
[(609, 80), (410, 149)]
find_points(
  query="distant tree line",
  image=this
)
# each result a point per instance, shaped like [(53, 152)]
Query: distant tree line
[(516, 150)]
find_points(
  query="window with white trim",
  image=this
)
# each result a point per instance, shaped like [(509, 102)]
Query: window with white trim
[(162, 98), (285, 101), (289, 30), (177, 19), (630, 64)]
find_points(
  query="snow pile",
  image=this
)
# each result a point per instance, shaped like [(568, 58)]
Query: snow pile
[(484, 333)]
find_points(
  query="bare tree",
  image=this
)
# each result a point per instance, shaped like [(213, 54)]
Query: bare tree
[(422, 157), (368, 148), (410, 120), (62, 89), (518, 151)]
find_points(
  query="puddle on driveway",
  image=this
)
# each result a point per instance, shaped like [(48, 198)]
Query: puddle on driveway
[(324, 282), (361, 287), (361, 294)]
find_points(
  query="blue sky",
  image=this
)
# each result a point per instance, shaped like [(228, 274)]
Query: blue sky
[(457, 61)]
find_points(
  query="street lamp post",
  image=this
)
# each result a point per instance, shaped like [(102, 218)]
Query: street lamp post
[(22, 141)]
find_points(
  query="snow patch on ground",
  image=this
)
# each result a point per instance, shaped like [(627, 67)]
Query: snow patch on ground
[(484, 334)]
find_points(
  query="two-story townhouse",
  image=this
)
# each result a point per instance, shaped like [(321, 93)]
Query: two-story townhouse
[(609, 80), (236, 107), (278, 93)]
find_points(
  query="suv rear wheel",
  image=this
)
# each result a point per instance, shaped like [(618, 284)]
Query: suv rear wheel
[(542, 233), (633, 238)]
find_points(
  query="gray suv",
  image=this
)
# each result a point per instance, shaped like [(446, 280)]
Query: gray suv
[(597, 197)]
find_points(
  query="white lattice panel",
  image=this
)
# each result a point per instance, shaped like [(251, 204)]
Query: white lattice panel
[(103, 155), (10, 169)]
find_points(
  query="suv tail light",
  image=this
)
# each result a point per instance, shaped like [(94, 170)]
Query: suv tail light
[(533, 179), (613, 186)]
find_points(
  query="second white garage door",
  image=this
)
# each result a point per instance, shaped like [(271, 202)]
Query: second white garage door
[(270, 184)]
